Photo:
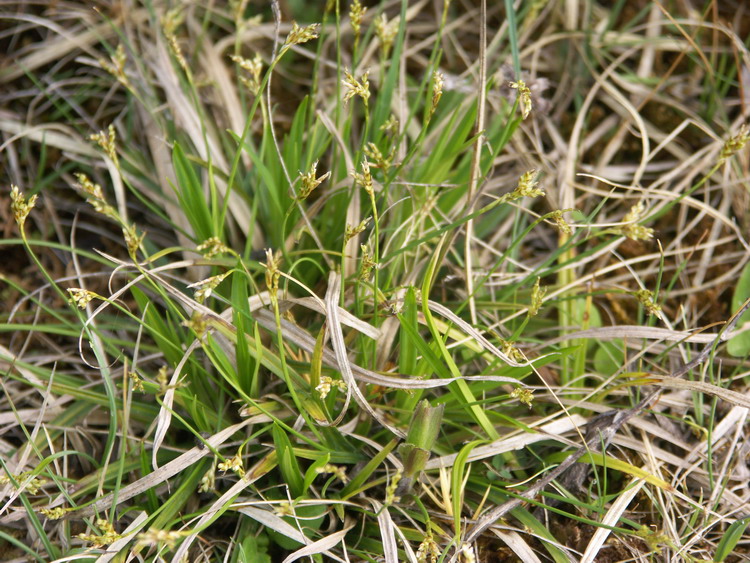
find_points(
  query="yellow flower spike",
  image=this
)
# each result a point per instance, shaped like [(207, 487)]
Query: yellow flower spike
[(233, 464), (254, 68), (537, 298), (299, 35), (379, 160), (735, 143), (133, 240), (310, 182), (438, 80), (208, 481), (525, 94), (273, 273), (337, 470), (561, 223), (153, 537), (107, 537), (204, 288), (81, 297), (365, 178), (356, 15), (354, 87), (170, 22), (390, 491), (386, 32), (527, 186), (116, 66), (390, 127), (632, 229), (213, 246), (352, 232), (523, 395), (107, 140), (55, 513), (646, 298), (19, 206), (367, 264)]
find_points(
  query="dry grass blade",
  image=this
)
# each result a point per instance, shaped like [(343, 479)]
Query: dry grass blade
[(550, 431), (611, 518), (158, 476), (339, 349), (323, 545), (154, 154), (471, 331), (727, 395)]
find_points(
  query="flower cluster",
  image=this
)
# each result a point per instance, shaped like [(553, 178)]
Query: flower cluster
[(735, 143), (253, 67), (310, 181), (327, 383), (204, 288), (336, 470), (356, 87), (213, 247), (525, 96), (299, 35), (19, 206), (365, 178), (108, 535), (632, 229), (527, 186)]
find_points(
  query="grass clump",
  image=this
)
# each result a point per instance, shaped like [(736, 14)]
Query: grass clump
[(421, 282)]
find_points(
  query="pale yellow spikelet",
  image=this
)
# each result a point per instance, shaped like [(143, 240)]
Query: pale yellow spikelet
[(356, 87), (310, 181), (525, 95), (20, 206), (299, 35), (81, 297)]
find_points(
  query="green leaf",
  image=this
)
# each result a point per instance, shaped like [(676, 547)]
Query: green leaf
[(353, 486), (457, 482), (312, 471), (731, 538), (288, 465), (739, 346), (191, 196), (253, 550)]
